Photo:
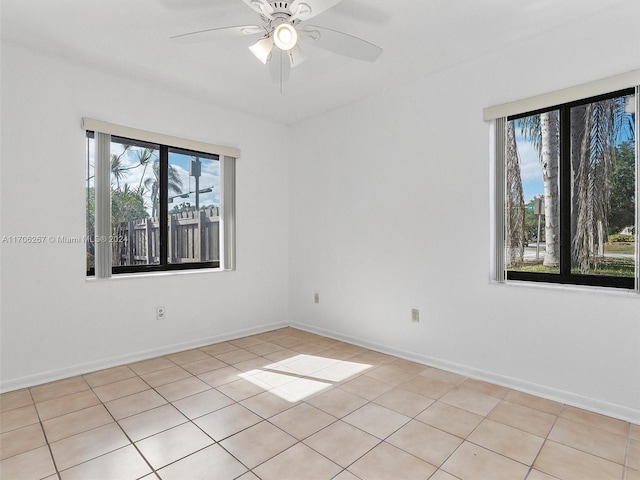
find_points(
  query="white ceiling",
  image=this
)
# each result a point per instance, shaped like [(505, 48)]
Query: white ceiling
[(418, 37)]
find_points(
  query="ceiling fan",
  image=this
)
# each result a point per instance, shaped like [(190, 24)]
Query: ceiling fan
[(283, 32)]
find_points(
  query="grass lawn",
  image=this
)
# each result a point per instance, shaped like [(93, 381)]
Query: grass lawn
[(618, 267)]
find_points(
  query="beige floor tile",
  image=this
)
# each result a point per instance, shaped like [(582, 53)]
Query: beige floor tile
[(173, 444), (76, 422), (451, 419), (345, 475), (280, 355), (58, 389), (486, 388), (134, 404), (63, 405), (227, 421), (426, 386), (258, 443), (366, 387), (341, 372), (120, 389), (125, 463), (390, 375), (408, 366), (36, 463), (425, 442), (152, 365), (337, 402), (342, 443), (15, 399), (511, 442), (635, 431), (253, 364), (376, 420), (470, 400), (388, 462), (202, 403), (633, 456), (219, 348), (263, 348), (188, 356), (153, 421), (524, 418), (302, 420), (246, 341), (202, 366), (536, 475), (18, 418), (442, 475), (220, 376), (570, 464), (296, 463), (167, 375), (632, 474), (338, 354), (472, 462), (531, 401), (182, 388), (300, 389), (309, 348), (212, 463), (240, 389), (443, 376), (267, 404), (404, 402), (368, 357), (591, 440), (235, 356), (21, 440), (596, 420), (84, 446), (109, 375)]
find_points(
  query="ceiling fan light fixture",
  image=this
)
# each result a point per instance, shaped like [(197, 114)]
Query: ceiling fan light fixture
[(285, 36), (262, 49)]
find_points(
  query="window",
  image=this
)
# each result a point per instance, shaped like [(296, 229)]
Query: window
[(155, 206), (568, 174)]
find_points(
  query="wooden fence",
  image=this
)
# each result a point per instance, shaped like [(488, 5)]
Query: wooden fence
[(193, 237)]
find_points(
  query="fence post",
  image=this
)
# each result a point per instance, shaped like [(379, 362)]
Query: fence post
[(149, 240)]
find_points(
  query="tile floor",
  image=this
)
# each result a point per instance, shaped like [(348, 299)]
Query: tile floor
[(289, 404)]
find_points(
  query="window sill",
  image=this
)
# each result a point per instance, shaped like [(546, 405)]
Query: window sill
[(560, 287), (169, 273)]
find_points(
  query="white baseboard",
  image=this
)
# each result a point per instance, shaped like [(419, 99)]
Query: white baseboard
[(621, 412), (58, 374)]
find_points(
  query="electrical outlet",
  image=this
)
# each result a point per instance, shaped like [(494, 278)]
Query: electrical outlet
[(316, 298), (160, 313), (415, 315)]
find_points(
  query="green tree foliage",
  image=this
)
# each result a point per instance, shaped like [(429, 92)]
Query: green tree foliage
[(623, 197), (127, 205)]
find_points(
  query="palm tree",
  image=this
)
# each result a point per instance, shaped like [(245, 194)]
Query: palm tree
[(602, 122), (543, 131), (515, 201), (153, 183)]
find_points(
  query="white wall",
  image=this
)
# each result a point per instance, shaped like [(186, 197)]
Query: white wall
[(390, 210), (55, 322)]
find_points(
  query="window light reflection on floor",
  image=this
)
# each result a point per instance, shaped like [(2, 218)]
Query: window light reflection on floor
[(299, 377)]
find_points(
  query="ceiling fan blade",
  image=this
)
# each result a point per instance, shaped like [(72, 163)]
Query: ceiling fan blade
[(279, 66), (306, 9), (296, 56), (261, 6), (342, 43), (211, 33)]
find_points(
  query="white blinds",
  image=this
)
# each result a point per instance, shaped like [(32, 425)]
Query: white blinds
[(102, 168)]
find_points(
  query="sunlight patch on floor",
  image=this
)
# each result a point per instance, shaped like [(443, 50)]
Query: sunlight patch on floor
[(299, 377)]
